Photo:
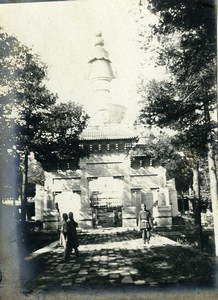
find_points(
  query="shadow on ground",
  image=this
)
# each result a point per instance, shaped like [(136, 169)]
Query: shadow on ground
[(101, 238), (153, 266)]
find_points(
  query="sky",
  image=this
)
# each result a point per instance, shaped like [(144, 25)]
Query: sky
[(63, 34)]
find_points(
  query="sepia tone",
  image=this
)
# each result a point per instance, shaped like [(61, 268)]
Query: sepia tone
[(111, 187)]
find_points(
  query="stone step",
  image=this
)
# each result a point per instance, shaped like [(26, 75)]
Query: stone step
[(171, 228)]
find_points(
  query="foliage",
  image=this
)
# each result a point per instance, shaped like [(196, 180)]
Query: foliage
[(35, 172), (33, 100), (162, 148), (30, 119), (179, 168), (155, 145), (59, 137), (186, 35), (24, 96)]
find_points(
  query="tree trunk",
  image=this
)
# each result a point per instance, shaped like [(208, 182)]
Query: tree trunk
[(197, 205), (213, 192), (24, 189)]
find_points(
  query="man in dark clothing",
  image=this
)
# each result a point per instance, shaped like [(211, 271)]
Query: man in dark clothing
[(72, 238), (145, 223)]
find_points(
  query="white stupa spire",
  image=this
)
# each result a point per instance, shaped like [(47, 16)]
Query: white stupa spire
[(100, 71), (100, 76)]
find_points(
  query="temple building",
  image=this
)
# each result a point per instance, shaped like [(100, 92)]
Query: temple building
[(112, 177)]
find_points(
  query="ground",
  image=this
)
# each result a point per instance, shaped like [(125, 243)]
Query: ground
[(115, 260)]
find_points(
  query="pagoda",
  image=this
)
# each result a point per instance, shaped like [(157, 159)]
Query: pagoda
[(111, 177)]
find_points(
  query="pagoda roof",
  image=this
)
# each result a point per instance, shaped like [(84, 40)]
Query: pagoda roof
[(99, 51), (110, 132)]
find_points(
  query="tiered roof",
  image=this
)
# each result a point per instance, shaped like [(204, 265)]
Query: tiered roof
[(107, 122), (109, 132)]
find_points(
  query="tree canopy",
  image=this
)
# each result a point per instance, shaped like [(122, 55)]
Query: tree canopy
[(162, 149), (185, 36), (187, 47), (31, 120), (59, 136)]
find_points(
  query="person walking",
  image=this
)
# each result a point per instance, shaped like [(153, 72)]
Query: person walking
[(63, 231), (72, 238), (145, 223), (58, 217)]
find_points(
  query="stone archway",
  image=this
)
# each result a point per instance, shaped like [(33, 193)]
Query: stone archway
[(108, 189), (106, 195)]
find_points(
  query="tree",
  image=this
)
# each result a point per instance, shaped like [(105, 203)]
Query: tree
[(186, 101), (10, 49), (31, 120), (58, 138), (178, 167), (36, 172), (162, 148)]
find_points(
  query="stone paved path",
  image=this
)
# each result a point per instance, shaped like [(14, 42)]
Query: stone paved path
[(115, 258)]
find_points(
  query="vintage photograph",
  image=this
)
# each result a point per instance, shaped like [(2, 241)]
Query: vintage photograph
[(108, 149)]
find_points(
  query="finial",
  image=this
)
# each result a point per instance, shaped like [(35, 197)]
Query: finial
[(99, 34), (99, 40)]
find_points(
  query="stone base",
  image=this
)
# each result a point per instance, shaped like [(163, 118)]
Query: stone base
[(85, 224), (85, 220), (50, 220), (129, 222), (163, 221), (164, 216), (129, 216), (50, 225)]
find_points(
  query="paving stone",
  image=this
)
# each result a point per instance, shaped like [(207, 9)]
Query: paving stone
[(133, 272), (62, 272), (127, 279), (83, 272), (86, 266), (114, 276), (153, 283), (103, 273), (112, 281), (66, 284), (139, 282), (123, 273), (79, 280), (111, 264), (43, 286), (93, 269), (45, 277), (121, 265)]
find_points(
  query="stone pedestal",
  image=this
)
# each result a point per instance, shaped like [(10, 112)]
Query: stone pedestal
[(129, 216), (173, 196), (39, 202), (85, 221), (85, 212), (174, 202), (127, 199), (164, 216)]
